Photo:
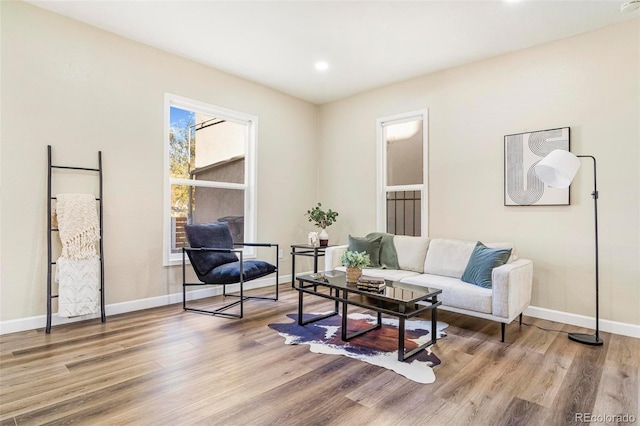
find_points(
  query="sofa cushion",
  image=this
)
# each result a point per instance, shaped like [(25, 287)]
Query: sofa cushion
[(481, 263), (448, 258), (369, 245), (411, 252), (456, 293), (387, 274)]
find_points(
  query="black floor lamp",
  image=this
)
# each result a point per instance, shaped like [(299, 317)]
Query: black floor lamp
[(558, 170)]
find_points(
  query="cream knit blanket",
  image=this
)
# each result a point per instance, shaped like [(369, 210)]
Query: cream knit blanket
[(79, 286), (77, 225)]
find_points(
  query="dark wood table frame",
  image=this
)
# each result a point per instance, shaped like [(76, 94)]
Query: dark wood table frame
[(380, 303), (306, 250)]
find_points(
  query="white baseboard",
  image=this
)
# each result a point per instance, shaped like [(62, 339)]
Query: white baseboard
[(624, 329), (40, 321), (32, 323)]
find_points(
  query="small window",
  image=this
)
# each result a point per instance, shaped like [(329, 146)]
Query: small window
[(210, 171), (402, 174)]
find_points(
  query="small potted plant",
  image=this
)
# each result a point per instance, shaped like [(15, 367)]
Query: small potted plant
[(322, 219), (354, 261)]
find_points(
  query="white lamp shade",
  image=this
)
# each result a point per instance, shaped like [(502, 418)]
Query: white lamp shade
[(558, 168)]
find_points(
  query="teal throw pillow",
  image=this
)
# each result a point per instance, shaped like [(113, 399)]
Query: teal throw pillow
[(481, 263), (370, 245)]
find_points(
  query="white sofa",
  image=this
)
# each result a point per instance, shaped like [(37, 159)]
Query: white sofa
[(440, 263)]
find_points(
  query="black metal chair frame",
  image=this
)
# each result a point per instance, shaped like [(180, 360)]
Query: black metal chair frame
[(241, 297)]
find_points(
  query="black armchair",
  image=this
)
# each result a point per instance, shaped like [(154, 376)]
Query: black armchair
[(216, 261)]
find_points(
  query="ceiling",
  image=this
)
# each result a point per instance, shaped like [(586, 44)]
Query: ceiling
[(367, 44)]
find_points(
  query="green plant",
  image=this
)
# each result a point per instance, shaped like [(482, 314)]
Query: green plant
[(321, 218), (355, 259)]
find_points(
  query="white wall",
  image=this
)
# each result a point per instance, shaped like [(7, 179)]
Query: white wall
[(590, 83), (81, 89)]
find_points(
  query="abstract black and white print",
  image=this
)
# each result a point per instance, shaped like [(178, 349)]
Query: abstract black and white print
[(522, 152)]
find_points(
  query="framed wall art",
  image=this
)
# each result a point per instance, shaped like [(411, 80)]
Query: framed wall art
[(522, 151)]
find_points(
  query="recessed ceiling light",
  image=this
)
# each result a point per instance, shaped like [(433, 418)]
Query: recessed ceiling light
[(630, 6), (321, 66)]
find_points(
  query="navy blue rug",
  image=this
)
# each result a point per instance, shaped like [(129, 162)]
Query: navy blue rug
[(377, 347)]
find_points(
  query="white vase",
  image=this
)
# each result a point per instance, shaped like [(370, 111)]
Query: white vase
[(324, 238)]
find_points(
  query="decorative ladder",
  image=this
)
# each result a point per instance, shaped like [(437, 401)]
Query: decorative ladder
[(50, 262)]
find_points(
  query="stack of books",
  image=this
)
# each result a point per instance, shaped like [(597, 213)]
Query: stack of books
[(370, 283)]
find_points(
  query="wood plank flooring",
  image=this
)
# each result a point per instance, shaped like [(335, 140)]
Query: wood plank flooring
[(164, 366)]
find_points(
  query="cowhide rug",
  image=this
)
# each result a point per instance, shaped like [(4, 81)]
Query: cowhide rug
[(377, 347)]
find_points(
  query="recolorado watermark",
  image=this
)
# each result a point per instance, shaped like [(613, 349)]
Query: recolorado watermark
[(604, 418)]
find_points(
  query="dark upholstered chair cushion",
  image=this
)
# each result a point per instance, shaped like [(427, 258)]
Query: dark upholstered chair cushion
[(229, 273), (212, 235)]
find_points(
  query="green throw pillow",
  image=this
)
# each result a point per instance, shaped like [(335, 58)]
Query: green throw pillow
[(388, 254), (481, 263), (370, 245)]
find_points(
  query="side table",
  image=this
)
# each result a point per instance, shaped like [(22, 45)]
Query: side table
[(307, 251)]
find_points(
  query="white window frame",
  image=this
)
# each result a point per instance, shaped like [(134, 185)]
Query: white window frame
[(249, 186), (381, 164)]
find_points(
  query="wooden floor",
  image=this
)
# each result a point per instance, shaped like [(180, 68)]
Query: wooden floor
[(163, 366)]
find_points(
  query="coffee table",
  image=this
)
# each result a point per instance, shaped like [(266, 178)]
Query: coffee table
[(397, 299)]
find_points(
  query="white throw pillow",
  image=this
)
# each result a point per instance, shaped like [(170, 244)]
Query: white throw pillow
[(411, 252)]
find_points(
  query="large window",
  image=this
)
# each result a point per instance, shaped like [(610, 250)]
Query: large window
[(402, 174), (209, 171)]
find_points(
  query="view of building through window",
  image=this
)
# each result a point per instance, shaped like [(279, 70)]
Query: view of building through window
[(404, 167), (207, 172), (402, 174)]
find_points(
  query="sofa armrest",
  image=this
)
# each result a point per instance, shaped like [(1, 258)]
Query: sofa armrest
[(512, 284), (332, 257)]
